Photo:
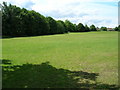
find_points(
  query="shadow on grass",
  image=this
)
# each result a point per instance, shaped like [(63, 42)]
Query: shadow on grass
[(9, 37), (46, 76)]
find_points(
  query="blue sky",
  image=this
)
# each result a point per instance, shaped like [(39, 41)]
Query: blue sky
[(97, 12)]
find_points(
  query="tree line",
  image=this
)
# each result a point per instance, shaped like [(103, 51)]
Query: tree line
[(18, 22)]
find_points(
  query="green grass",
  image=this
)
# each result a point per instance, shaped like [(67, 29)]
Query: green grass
[(91, 52)]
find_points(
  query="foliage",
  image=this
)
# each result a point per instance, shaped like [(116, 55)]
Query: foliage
[(103, 29), (80, 27), (93, 28), (11, 20), (61, 27), (87, 29), (117, 28), (52, 24), (70, 26), (21, 22)]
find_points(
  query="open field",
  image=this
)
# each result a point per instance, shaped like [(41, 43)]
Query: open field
[(58, 60)]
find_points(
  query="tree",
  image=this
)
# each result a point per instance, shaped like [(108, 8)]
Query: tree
[(103, 29), (11, 20), (70, 26), (75, 27), (64, 30), (116, 29), (60, 27), (80, 27), (87, 29), (42, 25), (53, 25), (93, 28), (22, 22)]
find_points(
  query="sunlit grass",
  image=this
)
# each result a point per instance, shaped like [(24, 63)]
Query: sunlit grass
[(91, 52)]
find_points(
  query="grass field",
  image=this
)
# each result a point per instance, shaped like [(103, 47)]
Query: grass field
[(66, 60)]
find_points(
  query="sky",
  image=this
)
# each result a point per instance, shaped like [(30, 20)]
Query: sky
[(97, 12)]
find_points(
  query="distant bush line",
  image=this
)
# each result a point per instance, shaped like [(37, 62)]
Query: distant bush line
[(17, 22)]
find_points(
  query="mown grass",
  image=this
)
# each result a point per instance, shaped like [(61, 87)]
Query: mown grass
[(91, 52)]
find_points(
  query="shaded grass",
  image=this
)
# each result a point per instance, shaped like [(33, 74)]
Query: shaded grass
[(95, 52), (46, 76)]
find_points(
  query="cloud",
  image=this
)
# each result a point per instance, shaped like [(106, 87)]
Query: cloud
[(85, 11), (28, 5), (21, 3)]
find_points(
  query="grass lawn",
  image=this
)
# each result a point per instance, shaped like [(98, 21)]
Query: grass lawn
[(85, 60)]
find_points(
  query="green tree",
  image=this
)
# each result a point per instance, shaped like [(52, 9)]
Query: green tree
[(60, 27), (93, 28), (87, 29), (70, 26), (103, 29), (22, 22), (75, 27), (11, 20), (64, 30), (80, 27), (116, 29), (53, 25)]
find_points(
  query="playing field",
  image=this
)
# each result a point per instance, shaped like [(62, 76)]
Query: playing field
[(87, 59)]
